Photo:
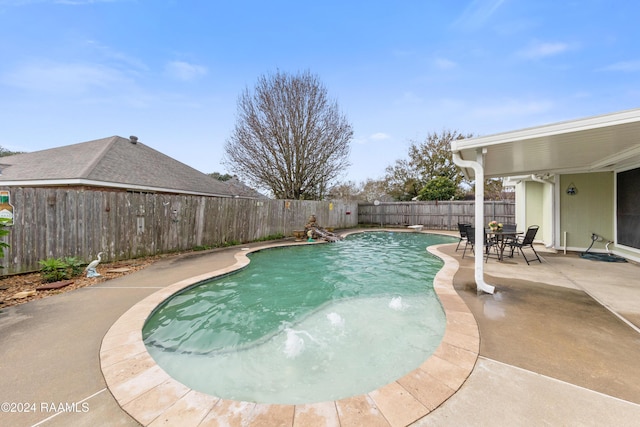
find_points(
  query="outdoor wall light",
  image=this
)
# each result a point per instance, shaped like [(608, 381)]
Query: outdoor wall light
[(572, 190)]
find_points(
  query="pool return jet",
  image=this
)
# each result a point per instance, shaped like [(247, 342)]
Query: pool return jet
[(478, 169)]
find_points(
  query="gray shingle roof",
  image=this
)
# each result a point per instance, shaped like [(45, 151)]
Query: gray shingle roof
[(113, 162)]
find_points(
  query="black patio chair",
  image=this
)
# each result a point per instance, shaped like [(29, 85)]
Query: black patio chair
[(526, 241), (471, 241), (491, 242), (470, 232), (508, 227), (462, 228)]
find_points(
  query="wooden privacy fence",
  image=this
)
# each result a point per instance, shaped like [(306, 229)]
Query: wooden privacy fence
[(68, 222), (441, 215)]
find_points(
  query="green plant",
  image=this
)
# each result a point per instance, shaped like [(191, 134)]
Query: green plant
[(74, 265), (53, 270), (276, 236), (202, 248), (3, 232), (439, 188)]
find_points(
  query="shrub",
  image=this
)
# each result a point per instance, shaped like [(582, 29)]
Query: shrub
[(439, 188), (276, 236), (74, 265), (56, 269), (53, 270)]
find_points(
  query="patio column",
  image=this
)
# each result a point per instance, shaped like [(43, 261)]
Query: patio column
[(478, 169)]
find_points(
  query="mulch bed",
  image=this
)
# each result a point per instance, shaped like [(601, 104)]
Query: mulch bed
[(32, 287)]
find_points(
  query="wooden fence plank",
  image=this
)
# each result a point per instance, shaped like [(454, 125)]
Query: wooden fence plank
[(441, 215), (80, 222)]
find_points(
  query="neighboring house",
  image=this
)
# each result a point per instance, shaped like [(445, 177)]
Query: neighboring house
[(115, 163), (572, 178), (238, 187), (118, 196)]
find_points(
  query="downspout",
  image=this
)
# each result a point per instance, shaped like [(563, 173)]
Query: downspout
[(478, 169)]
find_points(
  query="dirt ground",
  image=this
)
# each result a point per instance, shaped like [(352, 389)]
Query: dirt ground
[(12, 286)]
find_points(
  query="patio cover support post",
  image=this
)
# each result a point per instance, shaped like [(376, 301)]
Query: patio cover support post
[(478, 169)]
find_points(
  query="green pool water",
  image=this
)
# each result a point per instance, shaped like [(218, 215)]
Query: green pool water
[(305, 324)]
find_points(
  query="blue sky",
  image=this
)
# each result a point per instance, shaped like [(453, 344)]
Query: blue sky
[(170, 72)]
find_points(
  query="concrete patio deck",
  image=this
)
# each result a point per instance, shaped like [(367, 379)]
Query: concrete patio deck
[(559, 345)]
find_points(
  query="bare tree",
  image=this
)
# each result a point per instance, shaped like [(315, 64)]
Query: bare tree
[(289, 137)]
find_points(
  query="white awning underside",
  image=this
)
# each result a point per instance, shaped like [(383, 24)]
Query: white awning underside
[(594, 144)]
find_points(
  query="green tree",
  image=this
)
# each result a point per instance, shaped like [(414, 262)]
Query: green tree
[(4, 152), (289, 138), (439, 188), (427, 160), (402, 180), (220, 177)]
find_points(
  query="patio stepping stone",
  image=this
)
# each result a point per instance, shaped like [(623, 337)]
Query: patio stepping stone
[(119, 270), (23, 294), (54, 285)]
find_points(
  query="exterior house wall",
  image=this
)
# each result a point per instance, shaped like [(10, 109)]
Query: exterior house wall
[(521, 212), (534, 206), (534, 209), (547, 234), (590, 210)]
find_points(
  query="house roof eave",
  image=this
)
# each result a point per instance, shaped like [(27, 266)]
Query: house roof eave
[(104, 184)]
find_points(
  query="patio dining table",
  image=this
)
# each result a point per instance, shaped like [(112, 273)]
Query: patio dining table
[(501, 238)]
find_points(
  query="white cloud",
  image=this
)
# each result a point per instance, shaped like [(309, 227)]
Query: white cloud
[(445, 64), (477, 13), (81, 2), (62, 77), (511, 108), (408, 98), (122, 60), (627, 66), (402, 53), (65, 2), (541, 50), (184, 71), (379, 136)]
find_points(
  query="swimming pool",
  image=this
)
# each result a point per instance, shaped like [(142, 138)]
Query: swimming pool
[(305, 324)]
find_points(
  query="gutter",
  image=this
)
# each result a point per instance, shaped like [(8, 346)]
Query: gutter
[(478, 169)]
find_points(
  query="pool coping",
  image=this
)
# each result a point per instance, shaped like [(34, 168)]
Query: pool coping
[(152, 397)]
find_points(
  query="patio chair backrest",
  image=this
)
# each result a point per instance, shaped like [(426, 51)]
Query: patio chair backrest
[(509, 227), (531, 234), (463, 229), (471, 234)]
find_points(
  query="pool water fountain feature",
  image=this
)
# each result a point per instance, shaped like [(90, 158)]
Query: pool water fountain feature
[(352, 317), (313, 231)]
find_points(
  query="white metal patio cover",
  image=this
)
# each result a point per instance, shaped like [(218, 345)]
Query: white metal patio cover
[(594, 144)]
